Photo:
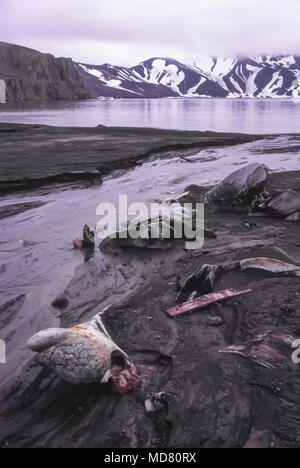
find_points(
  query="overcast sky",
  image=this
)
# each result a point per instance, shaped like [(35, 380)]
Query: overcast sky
[(128, 31)]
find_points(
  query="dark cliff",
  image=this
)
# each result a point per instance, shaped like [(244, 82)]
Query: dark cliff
[(31, 75)]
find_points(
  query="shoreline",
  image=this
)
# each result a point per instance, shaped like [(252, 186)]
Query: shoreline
[(111, 98), (77, 153), (234, 400)]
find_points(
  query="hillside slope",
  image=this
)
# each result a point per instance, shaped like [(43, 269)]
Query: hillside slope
[(249, 77), (31, 75)]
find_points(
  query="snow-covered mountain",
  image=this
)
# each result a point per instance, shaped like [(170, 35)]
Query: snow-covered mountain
[(252, 77)]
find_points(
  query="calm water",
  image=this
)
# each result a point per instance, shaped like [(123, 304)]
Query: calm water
[(224, 115)]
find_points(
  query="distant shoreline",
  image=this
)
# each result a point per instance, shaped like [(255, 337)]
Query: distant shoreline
[(33, 156), (135, 98)]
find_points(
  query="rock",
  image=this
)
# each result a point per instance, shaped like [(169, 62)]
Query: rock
[(240, 187), (60, 303), (31, 75)]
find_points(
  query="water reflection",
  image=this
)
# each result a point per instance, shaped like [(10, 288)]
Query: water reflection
[(226, 115)]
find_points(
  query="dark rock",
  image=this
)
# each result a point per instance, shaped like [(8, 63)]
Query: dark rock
[(17, 208), (31, 75), (60, 303)]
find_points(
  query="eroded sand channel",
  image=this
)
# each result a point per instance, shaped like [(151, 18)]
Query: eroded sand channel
[(45, 264)]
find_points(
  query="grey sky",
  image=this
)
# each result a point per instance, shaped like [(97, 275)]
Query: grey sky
[(128, 31)]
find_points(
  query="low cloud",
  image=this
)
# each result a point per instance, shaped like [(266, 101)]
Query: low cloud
[(97, 31)]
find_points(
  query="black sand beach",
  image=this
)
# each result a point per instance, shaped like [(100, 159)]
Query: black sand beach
[(217, 400), (47, 155)]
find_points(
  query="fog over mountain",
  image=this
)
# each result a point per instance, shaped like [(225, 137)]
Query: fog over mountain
[(209, 48), (31, 75), (126, 33)]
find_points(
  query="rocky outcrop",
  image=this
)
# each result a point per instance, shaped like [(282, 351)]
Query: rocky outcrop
[(31, 75)]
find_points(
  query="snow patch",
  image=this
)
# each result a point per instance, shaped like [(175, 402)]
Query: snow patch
[(167, 75), (192, 91), (214, 67), (269, 90), (93, 71)]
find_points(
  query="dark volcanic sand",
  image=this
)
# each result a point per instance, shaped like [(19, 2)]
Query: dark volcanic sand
[(16, 208), (217, 400), (35, 155)]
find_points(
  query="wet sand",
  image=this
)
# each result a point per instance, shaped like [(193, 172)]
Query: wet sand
[(33, 156), (217, 400)]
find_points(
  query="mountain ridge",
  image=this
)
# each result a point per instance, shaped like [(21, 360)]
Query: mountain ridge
[(32, 75), (260, 76)]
